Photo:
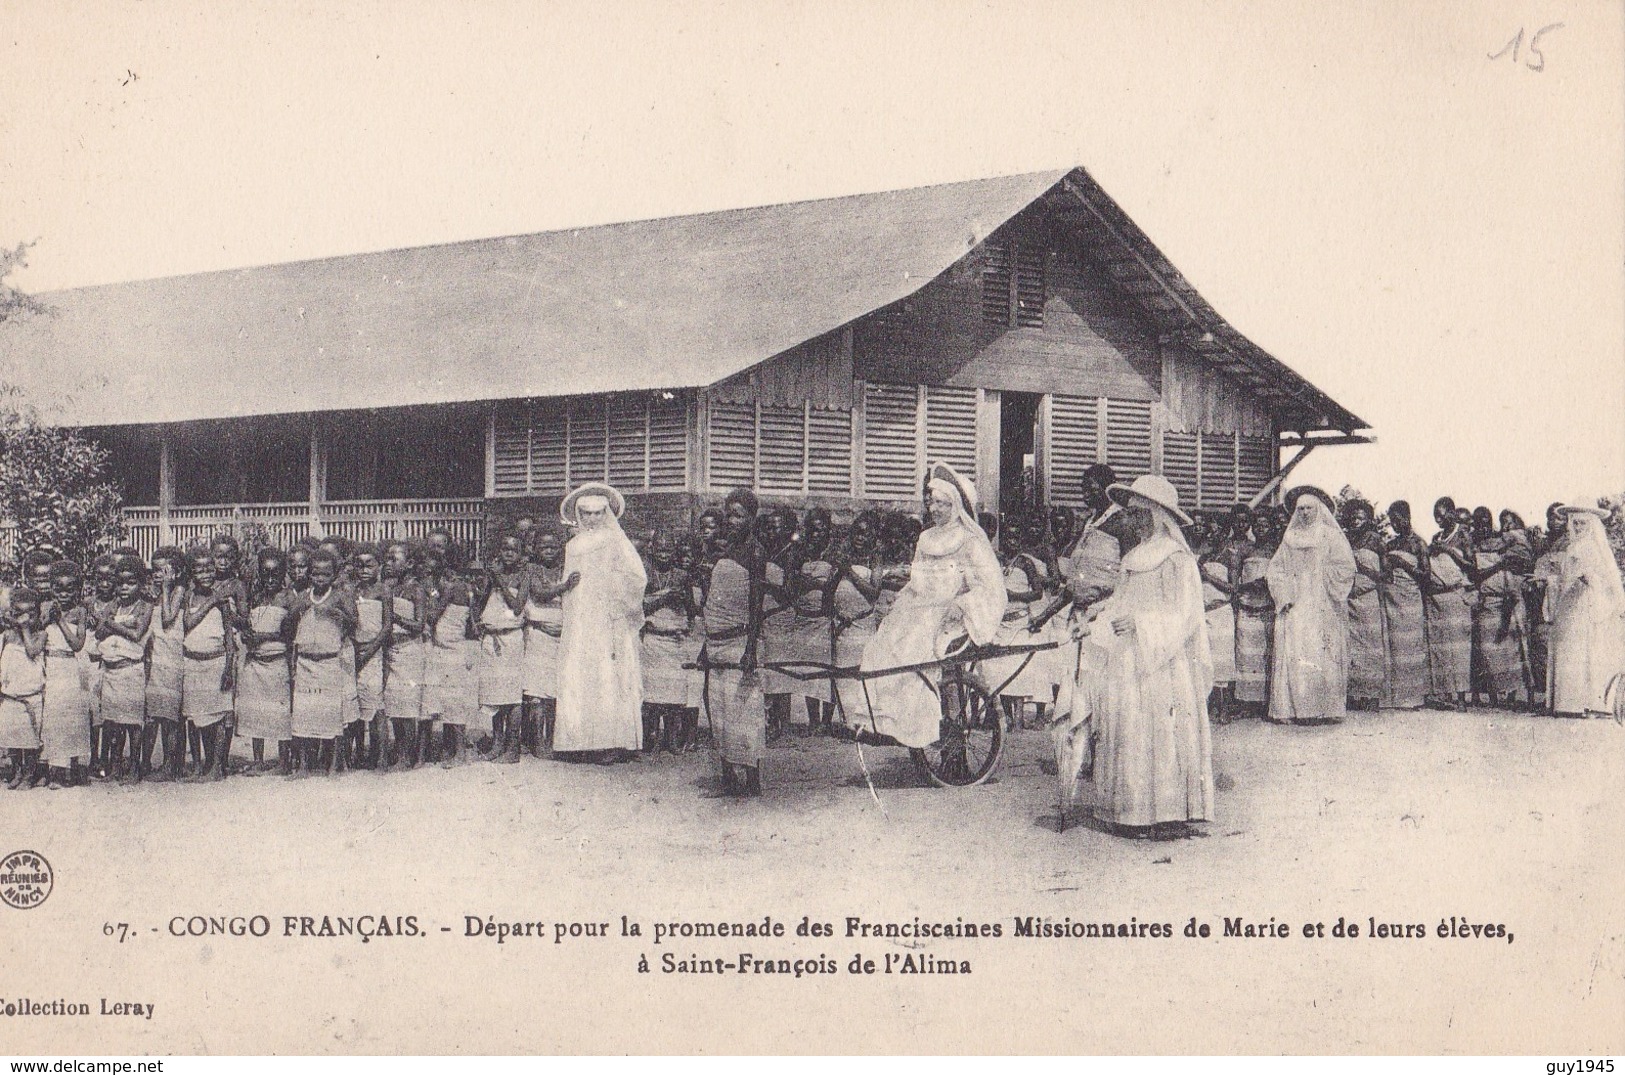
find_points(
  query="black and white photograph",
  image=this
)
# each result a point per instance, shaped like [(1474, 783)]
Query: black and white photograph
[(802, 529)]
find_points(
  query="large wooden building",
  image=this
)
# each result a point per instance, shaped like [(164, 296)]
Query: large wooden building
[(1020, 328)]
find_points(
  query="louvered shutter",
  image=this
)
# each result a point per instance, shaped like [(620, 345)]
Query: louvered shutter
[(1179, 465), (780, 450), (890, 422), (548, 446), (589, 440), (1257, 465), (950, 428), (1218, 470), (628, 440), (731, 431), (1030, 286), (996, 284), (829, 457), (668, 444), (1074, 442), (512, 447), (1128, 437)]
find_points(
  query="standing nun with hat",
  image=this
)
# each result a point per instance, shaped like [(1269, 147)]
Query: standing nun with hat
[(600, 700), (1586, 601), (1144, 722), (1310, 578)]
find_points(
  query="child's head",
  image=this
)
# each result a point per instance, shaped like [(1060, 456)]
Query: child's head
[(200, 565), (131, 577), (367, 564), (37, 571), (299, 560), (169, 565), (324, 570), (473, 569), (397, 562), (548, 547), (103, 576), (25, 607), (270, 569), (510, 550), (225, 553), (339, 548), (67, 582)]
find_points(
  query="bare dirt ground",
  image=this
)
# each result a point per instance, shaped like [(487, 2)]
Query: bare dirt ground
[(1404, 819)]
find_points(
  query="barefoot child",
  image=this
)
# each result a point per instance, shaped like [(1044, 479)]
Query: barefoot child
[(103, 595), (501, 600), (452, 678), (265, 683), (22, 687), (544, 615), (324, 625), (122, 634), (372, 631), (166, 667), (234, 583), (65, 727), (404, 653), (209, 678)]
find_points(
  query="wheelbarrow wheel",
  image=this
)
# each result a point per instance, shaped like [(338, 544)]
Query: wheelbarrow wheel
[(972, 734)]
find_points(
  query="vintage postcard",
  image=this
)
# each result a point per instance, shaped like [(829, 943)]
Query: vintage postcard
[(791, 528)]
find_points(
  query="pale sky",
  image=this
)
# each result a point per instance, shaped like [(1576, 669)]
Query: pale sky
[(1435, 238)]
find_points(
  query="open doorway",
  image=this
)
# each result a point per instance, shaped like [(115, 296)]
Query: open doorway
[(1019, 481)]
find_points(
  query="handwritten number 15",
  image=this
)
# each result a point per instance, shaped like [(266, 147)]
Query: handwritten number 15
[(1538, 63)]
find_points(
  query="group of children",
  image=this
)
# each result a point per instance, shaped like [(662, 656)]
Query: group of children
[(325, 657)]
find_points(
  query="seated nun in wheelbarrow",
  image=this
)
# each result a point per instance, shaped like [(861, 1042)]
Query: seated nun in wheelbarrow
[(955, 591)]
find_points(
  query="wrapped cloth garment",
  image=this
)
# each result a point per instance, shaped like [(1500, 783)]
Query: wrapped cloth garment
[(65, 717), (665, 648), (776, 642), (265, 683), (454, 672), (733, 698), (1310, 577), (203, 701), (1500, 631), (166, 668), (124, 674), (22, 693), (1368, 646), (1033, 673), (1221, 622), (502, 654), (1255, 627), (321, 685), (1405, 665), (600, 704), (1449, 630), (810, 630), (405, 667), (955, 588), (544, 624), (856, 620), (369, 678)]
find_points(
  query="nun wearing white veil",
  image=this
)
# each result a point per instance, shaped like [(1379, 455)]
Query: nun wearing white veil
[(600, 699), (1586, 602), (1310, 577), (1143, 720), (955, 588)]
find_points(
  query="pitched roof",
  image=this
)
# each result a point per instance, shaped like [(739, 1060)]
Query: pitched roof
[(669, 303)]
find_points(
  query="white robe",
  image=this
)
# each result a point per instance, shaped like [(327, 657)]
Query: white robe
[(1587, 647), (1147, 711), (600, 700), (955, 587), (1313, 572)]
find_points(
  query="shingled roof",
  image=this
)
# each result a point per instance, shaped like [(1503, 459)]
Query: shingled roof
[(670, 303)]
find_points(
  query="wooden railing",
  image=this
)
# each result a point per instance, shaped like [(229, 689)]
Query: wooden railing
[(285, 524)]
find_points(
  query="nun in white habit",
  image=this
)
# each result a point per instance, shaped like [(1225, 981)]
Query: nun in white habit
[(955, 589), (600, 699), (1586, 602)]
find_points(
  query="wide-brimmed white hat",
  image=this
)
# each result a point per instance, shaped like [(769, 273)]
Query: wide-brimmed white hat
[(1580, 505), (966, 487), (617, 502), (1152, 488)]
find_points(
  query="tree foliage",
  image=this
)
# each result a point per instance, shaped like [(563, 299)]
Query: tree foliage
[(15, 304), (53, 485)]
